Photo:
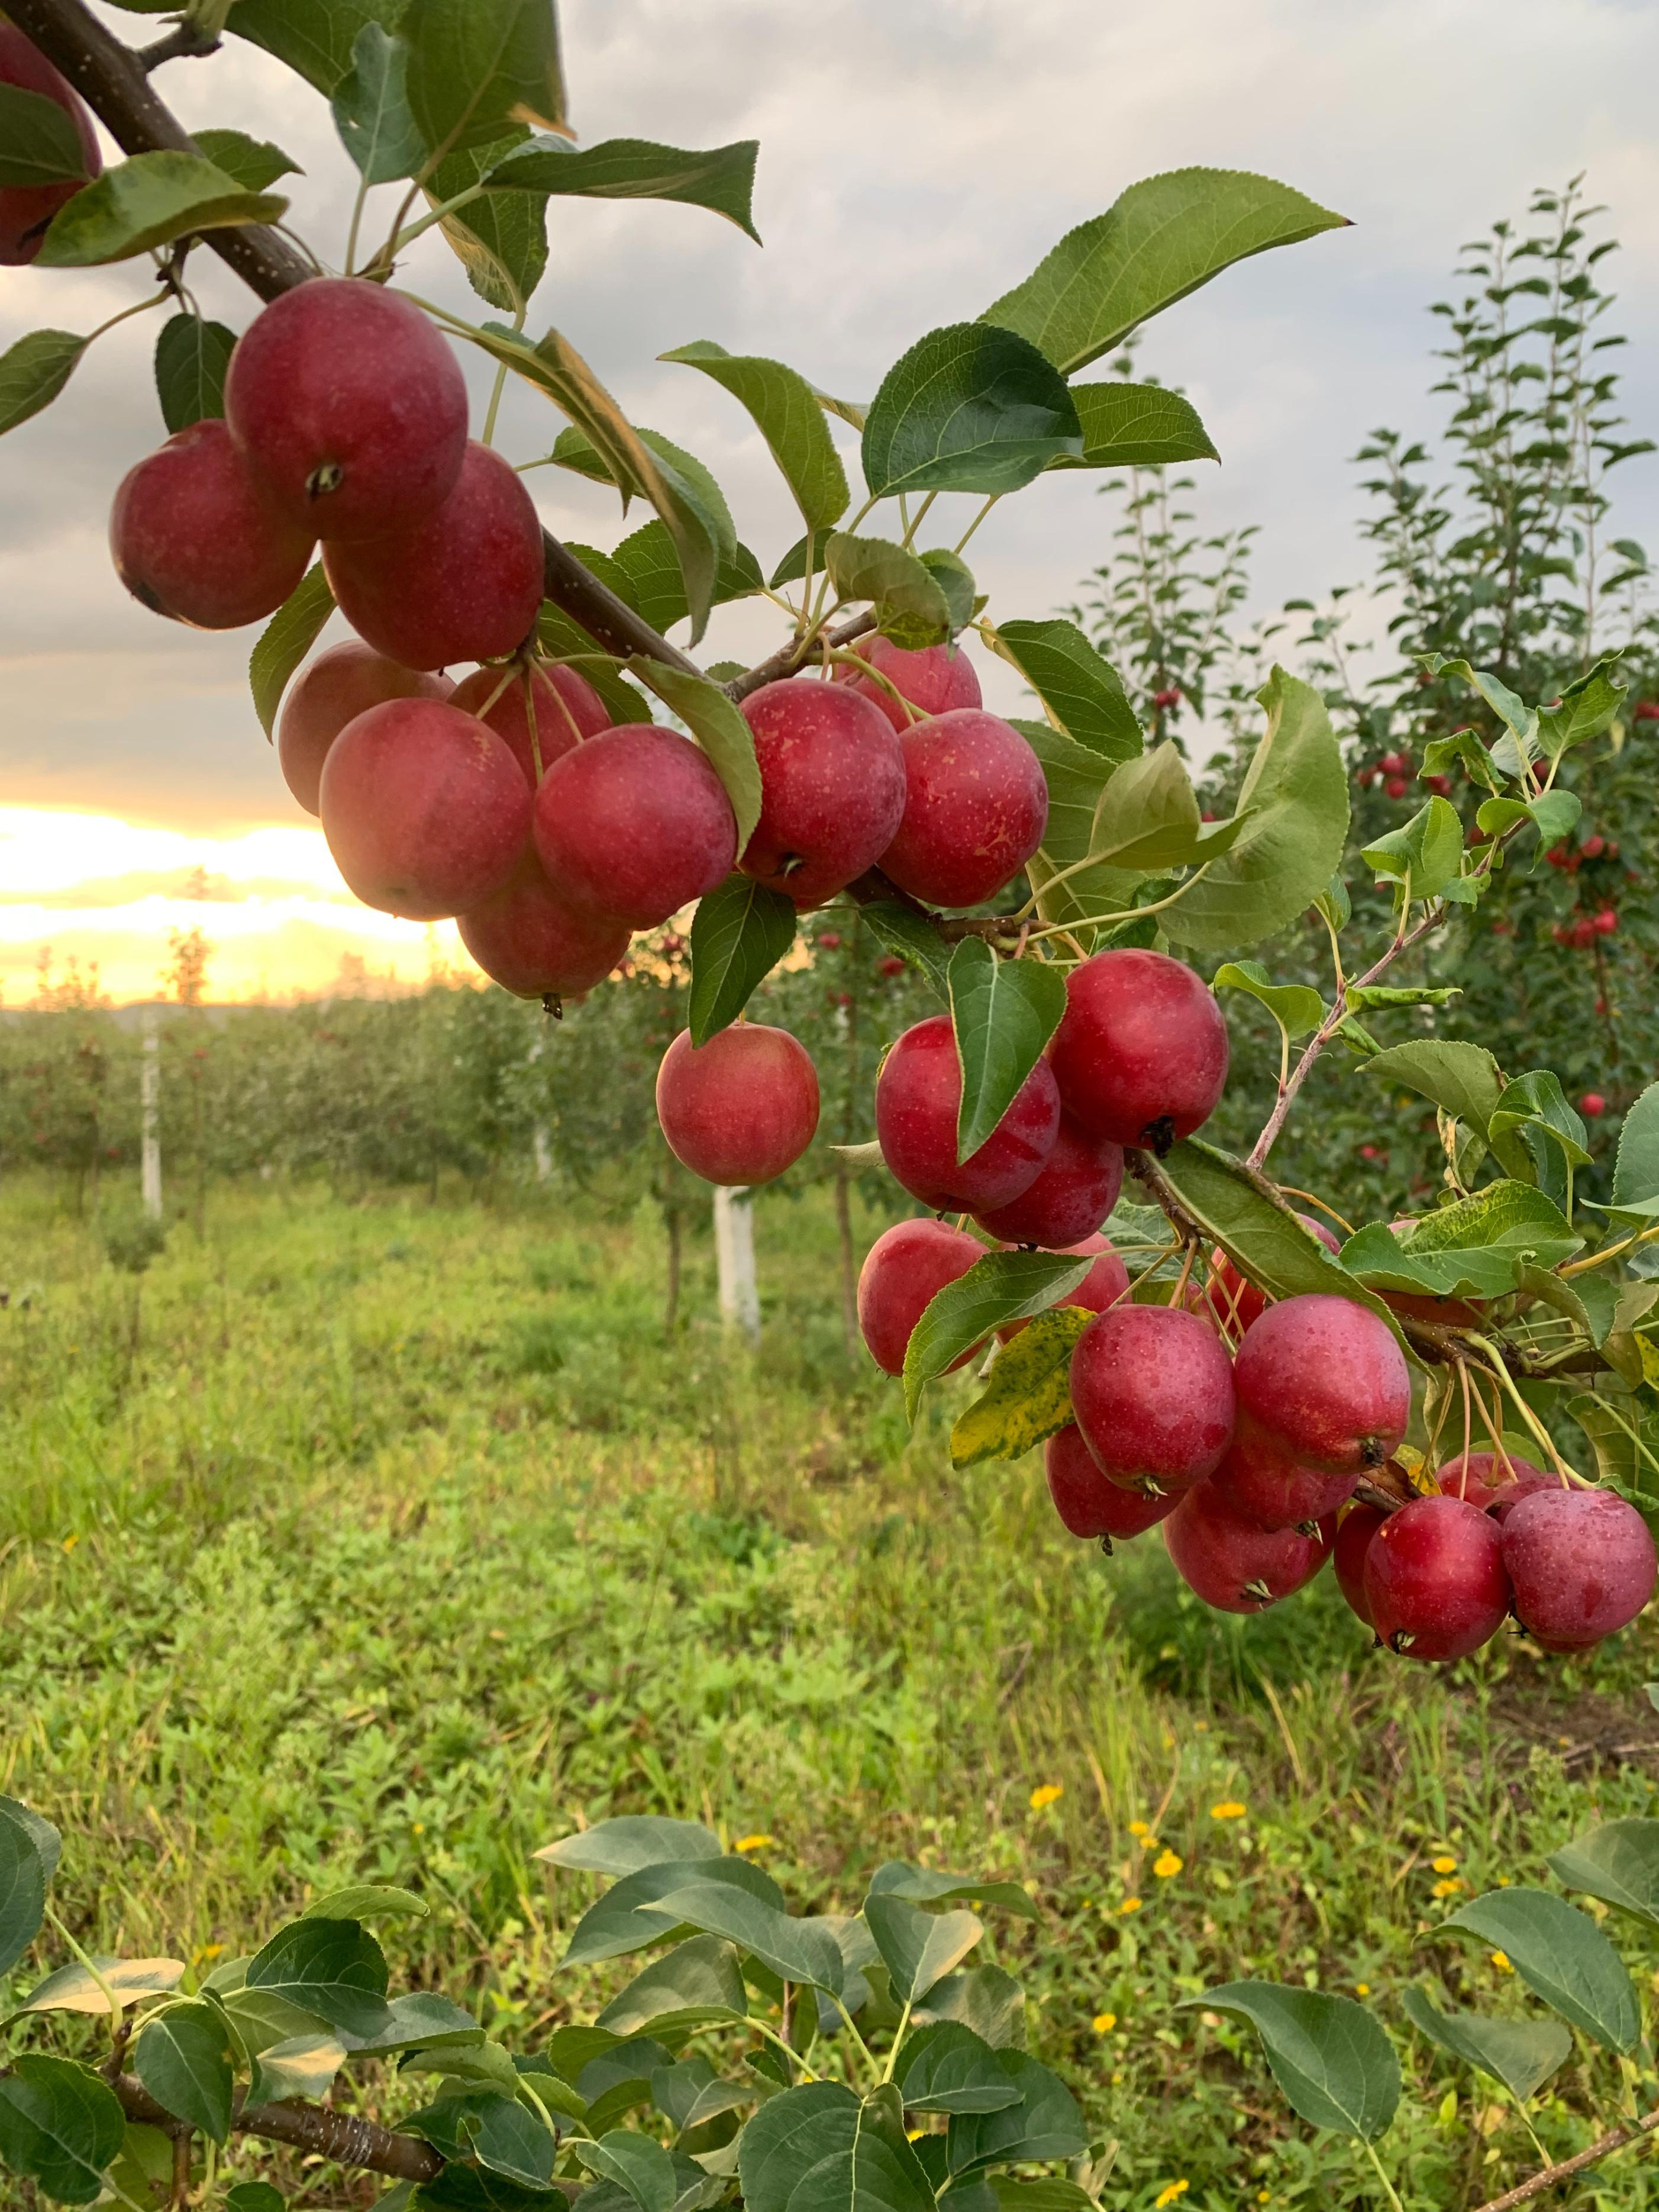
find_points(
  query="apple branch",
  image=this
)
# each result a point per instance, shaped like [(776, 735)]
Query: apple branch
[(1526, 2190), (1329, 1026)]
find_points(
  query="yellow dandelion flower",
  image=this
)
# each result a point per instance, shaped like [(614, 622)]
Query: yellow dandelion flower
[(1500, 1959), (1227, 1809), (1362, 1989), (1130, 1905), (1446, 1888), (1104, 2022), (69, 1542), (1444, 1864), (753, 1843), (1139, 1828), (1046, 1794), (1165, 1864), (418, 1828), (1175, 2189)]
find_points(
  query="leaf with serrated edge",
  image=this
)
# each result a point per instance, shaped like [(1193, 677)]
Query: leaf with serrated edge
[(60, 2125), (908, 597), (333, 1968), (1298, 787), (1464, 1079), (784, 410), (182, 2056), (1332, 2060), (720, 178), (315, 37), (1080, 689), (191, 357), (1522, 2054), (639, 2168), (147, 202), (1561, 1955), (372, 112), (1027, 1396), (1618, 1861), (969, 408), (1159, 240), (1003, 1013), (739, 932), (1044, 2125), (1298, 1007), (284, 642), (476, 66), (932, 1886), (915, 939), (1635, 1171), (32, 372), (1001, 1287), (38, 141), (1136, 426), (254, 163)]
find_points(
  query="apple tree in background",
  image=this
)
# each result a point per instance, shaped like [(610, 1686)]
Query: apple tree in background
[(1269, 1385)]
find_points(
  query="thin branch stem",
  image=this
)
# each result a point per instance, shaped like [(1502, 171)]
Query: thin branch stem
[(1526, 2190)]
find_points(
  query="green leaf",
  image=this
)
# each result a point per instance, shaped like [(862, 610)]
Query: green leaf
[(333, 1968), (1159, 241), (372, 112), (797, 1950), (1535, 1135), (253, 163), (191, 357), (627, 1918), (284, 642), (25, 1873), (791, 2135), (422, 2019), (146, 202), (932, 1885), (469, 2066), (1260, 1235), (250, 2195), (260, 2019), (315, 38), (968, 408), (785, 410), (720, 178), (1363, 998), (1562, 1956), (986, 2000), (1027, 1394), (1521, 721), (909, 601), (1477, 1248), (1586, 708), (1052, 2195), (367, 1900), (300, 2066), (1522, 2054), (1636, 1171), (504, 2135), (182, 2056), (1004, 1012), (1424, 854), (1440, 753), (1075, 777), (1464, 1079), (946, 2068), (34, 372), (1080, 689), (642, 2169), (501, 242), (1297, 1007), (1147, 817), (557, 370), (59, 2124), (956, 580), (38, 141), (1329, 2057), (918, 1948), (698, 1981), (77, 1988), (1003, 1287), (476, 66), (1139, 426), (634, 1841), (718, 728), (1297, 788), (913, 938), (1618, 1862), (739, 932), (1045, 2124)]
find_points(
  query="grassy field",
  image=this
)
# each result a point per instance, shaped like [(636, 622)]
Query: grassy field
[(390, 1539)]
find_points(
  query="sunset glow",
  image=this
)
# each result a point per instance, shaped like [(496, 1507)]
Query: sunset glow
[(99, 891)]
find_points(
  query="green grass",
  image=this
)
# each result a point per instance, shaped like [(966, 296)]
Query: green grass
[(404, 1540)]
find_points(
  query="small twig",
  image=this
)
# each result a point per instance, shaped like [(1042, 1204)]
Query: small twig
[(185, 41), (794, 655), (1526, 2190)]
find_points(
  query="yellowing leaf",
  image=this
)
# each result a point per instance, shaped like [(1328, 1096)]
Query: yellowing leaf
[(1027, 1396)]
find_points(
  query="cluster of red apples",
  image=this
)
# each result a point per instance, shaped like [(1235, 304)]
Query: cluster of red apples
[(509, 800), (1244, 1427)]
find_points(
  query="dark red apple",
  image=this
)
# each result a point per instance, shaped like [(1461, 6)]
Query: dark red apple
[(740, 1108), (1582, 1562), (568, 709), (1089, 1502), (1259, 1483), (917, 1095), (193, 538), (1353, 1539), (1153, 1392), (634, 823), (340, 684), (934, 679), (1140, 1054), (1076, 1188), (976, 808), (903, 1271), (1322, 1379), (832, 786), (534, 944), (1232, 1564), (1434, 1581)]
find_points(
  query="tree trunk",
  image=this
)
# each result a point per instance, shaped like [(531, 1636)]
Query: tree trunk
[(849, 1273), (676, 1238)]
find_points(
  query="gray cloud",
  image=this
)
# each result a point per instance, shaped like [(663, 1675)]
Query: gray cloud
[(917, 157)]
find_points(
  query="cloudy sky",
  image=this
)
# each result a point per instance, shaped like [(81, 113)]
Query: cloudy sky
[(917, 157)]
